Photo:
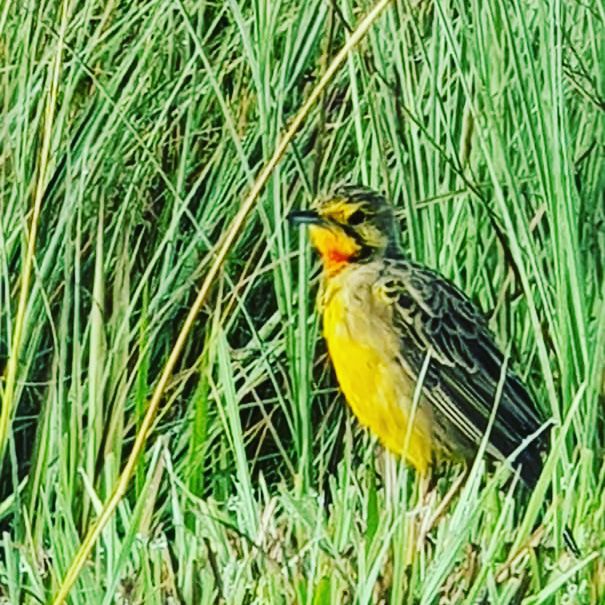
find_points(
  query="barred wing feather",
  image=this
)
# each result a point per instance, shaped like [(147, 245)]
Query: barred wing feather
[(435, 318)]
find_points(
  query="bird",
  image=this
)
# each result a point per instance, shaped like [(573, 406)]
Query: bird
[(414, 357)]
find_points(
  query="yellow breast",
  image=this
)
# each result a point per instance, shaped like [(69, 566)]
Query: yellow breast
[(365, 352)]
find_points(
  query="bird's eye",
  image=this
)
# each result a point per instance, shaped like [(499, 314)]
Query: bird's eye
[(356, 218)]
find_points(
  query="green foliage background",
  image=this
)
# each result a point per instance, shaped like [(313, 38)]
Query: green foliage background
[(137, 128)]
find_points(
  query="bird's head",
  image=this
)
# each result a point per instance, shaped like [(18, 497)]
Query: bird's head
[(353, 224)]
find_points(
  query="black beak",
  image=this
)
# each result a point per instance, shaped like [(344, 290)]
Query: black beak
[(305, 217)]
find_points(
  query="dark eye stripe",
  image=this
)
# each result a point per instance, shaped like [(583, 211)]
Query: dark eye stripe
[(356, 218)]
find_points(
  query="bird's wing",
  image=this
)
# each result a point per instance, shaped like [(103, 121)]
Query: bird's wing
[(435, 318)]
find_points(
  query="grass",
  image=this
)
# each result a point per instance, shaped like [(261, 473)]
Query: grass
[(131, 134)]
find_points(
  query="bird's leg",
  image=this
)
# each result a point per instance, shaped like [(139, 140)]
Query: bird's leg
[(432, 520), (417, 516)]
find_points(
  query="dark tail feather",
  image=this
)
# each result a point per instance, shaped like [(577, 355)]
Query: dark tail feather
[(529, 462), (570, 542)]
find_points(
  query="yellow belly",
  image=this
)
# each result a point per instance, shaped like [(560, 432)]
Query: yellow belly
[(364, 353)]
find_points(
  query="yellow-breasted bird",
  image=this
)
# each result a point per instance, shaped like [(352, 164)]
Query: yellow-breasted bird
[(389, 321)]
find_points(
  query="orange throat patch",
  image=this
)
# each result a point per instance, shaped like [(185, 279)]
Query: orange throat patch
[(335, 247)]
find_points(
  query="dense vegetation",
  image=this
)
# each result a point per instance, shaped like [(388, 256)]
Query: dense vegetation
[(131, 134)]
